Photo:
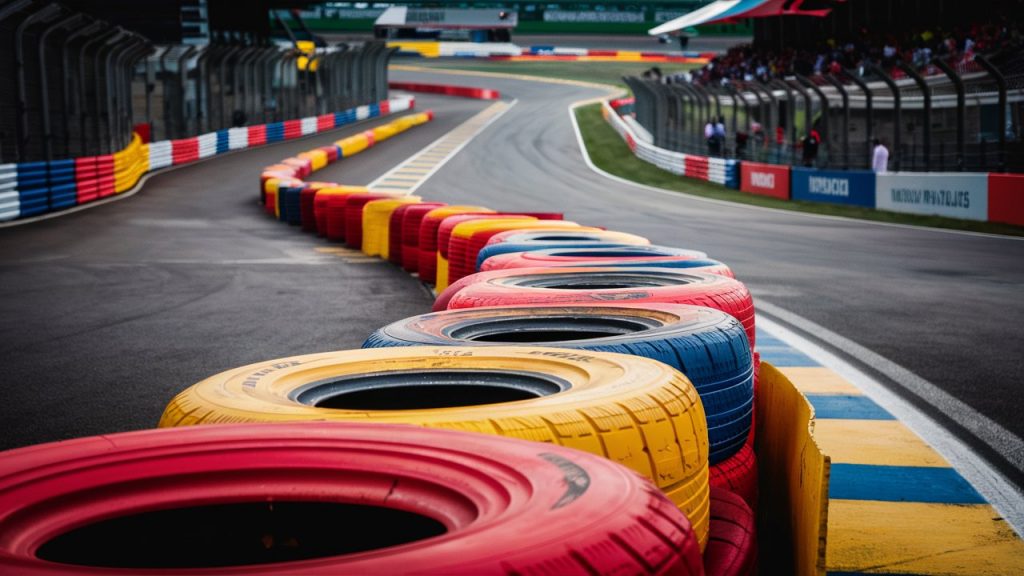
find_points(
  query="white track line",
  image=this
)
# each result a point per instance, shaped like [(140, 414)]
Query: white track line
[(450, 154), (1006, 498)]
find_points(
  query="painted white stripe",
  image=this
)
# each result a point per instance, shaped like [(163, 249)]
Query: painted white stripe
[(989, 482), (424, 152)]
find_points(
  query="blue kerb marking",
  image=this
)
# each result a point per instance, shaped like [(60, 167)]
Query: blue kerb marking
[(779, 353), (901, 484), (832, 407)]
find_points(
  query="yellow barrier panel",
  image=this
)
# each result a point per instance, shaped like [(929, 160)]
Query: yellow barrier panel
[(353, 145), (425, 49), (794, 471), (384, 132)]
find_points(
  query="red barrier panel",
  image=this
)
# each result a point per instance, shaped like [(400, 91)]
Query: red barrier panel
[(765, 179), (324, 122), (620, 102), (463, 91), (602, 52), (292, 129), (184, 150), (385, 107), (371, 138), (331, 151), (258, 135), (696, 167), (1006, 198)]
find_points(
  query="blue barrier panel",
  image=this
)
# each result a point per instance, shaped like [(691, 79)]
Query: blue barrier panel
[(63, 195), (374, 110), (62, 171), (222, 141), (346, 117), (34, 200), (850, 187), (542, 49), (275, 132)]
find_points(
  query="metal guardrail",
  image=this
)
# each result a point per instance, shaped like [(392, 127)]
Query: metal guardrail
[(949, 120), (80, 85)]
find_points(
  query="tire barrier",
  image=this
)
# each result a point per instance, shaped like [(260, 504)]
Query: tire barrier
[(654, 425), (330, 498), (428, 241), (411, 220), (684, 337), (732, 547), (738, 474), (581, 286), (526, 241), (34, 188), (462, 91), (619, 256)]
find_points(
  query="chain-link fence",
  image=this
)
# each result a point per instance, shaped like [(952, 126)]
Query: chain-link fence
[(78, 86), (967, 119)]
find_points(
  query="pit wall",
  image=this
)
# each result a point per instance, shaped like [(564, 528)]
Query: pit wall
[(980, 196), (34, 188)]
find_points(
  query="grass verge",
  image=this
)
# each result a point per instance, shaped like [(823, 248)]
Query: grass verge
[(610, 153)]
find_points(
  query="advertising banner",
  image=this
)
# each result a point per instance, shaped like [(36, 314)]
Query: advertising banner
[(952, 194), (765, 179), (850, 187), (1006, 198)]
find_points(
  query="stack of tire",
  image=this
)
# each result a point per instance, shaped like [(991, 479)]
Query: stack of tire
[(492, 436), (535, 279)]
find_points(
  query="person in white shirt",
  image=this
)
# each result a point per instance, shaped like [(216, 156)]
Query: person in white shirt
[(879, 157)]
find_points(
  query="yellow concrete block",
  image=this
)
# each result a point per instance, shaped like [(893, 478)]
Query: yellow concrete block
[(817, 380), (915, 538), (878, 442)]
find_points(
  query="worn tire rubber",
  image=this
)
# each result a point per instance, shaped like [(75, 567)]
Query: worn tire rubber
[(514, 241), (708, 346), (732, 547), (738, 474), (582, 286), (635, 411), (497, 505), (444, 232), (660, 256), (467, 241)]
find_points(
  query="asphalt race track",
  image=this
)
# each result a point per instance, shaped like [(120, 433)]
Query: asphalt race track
[(108, 312)]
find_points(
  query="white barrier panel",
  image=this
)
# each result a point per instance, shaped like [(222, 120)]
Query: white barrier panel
[(953, 194), (570, 51), (10, 206), (207, 144), (160, 154), (400, 104), (478, 49), (362, 112), (238, 138), (309, 125), (641, 133)]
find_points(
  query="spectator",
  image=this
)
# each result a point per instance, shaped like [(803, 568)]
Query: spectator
[(720, 135), (879, 157), (709, 136), (810, 146)]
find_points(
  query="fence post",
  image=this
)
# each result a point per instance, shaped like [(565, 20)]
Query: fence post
[(44, 77), (98, 40), (961, 104), (869, 109), (926, 92), (897, 118), (42, 15), (69, 80), (1001, 84), (846, 117)]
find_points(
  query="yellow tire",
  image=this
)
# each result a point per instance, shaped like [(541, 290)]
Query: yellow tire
[(639, 412), (376, 220)]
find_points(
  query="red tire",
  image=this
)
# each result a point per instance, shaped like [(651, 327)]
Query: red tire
[(428, 237), (334, 218), (732, 546), (307, 214), (411, 219), (594, 285), (738, 474), (329, 498)]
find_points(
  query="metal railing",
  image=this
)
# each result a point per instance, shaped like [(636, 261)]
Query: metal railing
[(948, 121), (77, 86)]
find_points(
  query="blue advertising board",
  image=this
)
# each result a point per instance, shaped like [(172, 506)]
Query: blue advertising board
[(851, 187)]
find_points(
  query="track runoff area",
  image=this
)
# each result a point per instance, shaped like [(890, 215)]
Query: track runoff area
[(628, 319)]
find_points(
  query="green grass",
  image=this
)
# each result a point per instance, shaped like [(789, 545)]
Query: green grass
[(610, 153), (600, 72)]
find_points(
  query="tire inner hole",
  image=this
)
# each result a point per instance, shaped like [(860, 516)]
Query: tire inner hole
[(636, 278), (427, 389), (547, 329), (237, 534)]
